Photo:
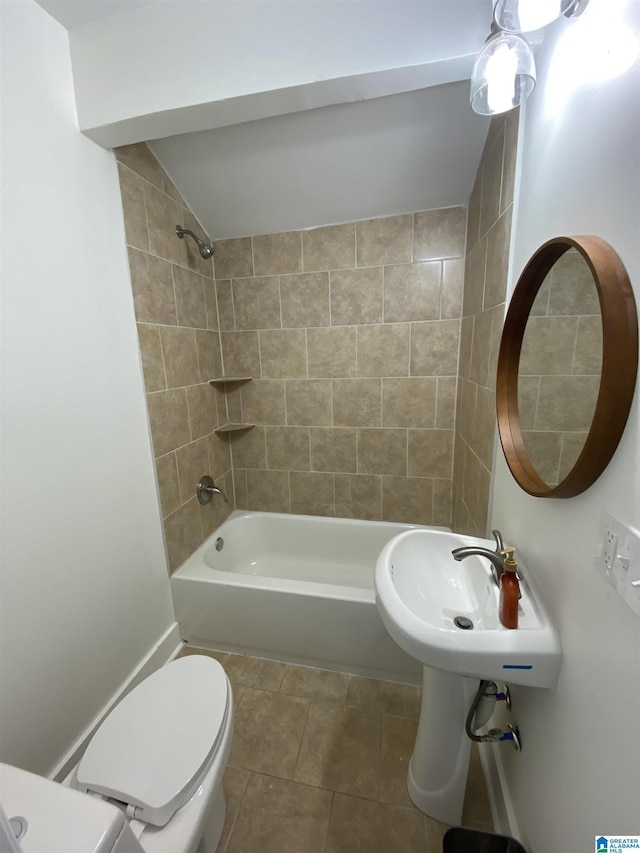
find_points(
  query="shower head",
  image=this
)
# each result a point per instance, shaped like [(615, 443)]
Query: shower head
[(205, 249)]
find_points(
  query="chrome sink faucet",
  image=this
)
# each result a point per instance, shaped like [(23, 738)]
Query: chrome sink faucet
[(495, 557)]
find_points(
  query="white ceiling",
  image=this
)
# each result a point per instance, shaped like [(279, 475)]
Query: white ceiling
[(286, 138)]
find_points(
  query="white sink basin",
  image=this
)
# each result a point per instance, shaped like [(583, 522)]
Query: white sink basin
[(421, 589)]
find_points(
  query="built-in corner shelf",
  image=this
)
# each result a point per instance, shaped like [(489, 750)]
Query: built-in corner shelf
[(228, 380), (233, 427), (223, 381)]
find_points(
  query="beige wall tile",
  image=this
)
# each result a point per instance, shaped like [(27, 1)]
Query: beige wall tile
[(333, 449), (152, 285), (135, 217), (308, 402), (169, 188), (472, 300), (479, 365), (163, 213), (151, 355), (412, 292), (201, 400), (382, 451), (446, 402), (409, 402), (190, 298), (566, 402), (548, 345), (497, 322), (468, 392), (356, 296), (208, 344), (509, 161), (224, 299), (476, 485), (248, 448), (219, 447), (139, 158), (305, 300), (180, 356), (329, 248), (544, 450), (588, 353), (491, 184), (485, 426), (213, 514), (283, 353), (168, 483), (311, 493), (407, 499), (383, 350), (268, 491), (572, 445), (384, 241), (183, 531), (287, 448), (473, 215), (277, 254), (452, 289), (528, 390), (169, 420), (233, 258), (357, 402), (240, 353), (442, 504), (263, 401), (358, 496), (440, 233), (193, 464), (211, 304), (466, 344), (573, 290), (434, 348), (241, 491), (498, 241), (430, 453), (331, 351), (256, 303)]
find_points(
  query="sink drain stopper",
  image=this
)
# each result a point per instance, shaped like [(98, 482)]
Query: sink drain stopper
[(463, 622)]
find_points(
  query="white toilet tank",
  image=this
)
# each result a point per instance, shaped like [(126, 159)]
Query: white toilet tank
[(57, 819)]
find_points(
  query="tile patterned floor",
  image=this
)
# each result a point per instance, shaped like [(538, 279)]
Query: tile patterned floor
[(319, 761)]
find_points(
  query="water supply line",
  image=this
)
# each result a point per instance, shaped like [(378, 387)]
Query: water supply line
[(481, 711)]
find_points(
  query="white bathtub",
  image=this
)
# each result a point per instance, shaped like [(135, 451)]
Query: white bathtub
[(293, 588)]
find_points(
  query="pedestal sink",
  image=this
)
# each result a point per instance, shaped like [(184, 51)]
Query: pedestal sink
[(420, 592)]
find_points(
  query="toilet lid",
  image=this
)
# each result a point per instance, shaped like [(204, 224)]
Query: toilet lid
[(155, 747)]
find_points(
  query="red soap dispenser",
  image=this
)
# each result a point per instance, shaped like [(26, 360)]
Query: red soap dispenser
[(509, 590)]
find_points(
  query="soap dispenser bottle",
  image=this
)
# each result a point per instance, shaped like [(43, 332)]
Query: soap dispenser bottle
[(509, 590)]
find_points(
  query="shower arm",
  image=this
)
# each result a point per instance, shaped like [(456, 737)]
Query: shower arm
[(205, 249)]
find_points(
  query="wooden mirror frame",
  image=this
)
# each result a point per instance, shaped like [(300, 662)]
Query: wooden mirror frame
[(619, 365)]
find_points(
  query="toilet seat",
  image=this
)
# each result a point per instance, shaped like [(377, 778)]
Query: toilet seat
[(155, 748)]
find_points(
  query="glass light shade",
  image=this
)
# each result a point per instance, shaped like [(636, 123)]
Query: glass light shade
[(523, 16), (503, 76)]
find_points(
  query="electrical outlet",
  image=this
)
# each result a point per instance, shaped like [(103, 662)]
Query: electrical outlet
[(618, 559)]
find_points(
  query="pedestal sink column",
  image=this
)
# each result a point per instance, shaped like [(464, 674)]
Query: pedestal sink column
[(438, 767)]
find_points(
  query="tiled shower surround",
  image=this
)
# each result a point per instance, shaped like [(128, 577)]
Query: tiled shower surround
[(485, 291), (175, 307), (350, 334)]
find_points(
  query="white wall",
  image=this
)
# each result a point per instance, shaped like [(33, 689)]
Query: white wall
[(84, 587), (579, 772), (173, 67)]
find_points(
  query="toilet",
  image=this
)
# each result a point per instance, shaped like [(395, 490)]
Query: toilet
[(152, 772)]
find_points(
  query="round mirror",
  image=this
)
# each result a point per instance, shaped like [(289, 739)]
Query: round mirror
[(567, 366)]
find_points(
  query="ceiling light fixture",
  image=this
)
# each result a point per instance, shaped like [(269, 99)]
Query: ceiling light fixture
[(523, 16), (504, 74)]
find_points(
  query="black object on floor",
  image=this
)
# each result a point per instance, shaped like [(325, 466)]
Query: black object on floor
[(460, 840)]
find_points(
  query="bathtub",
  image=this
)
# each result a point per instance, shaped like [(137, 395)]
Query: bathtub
[(293, 588)]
